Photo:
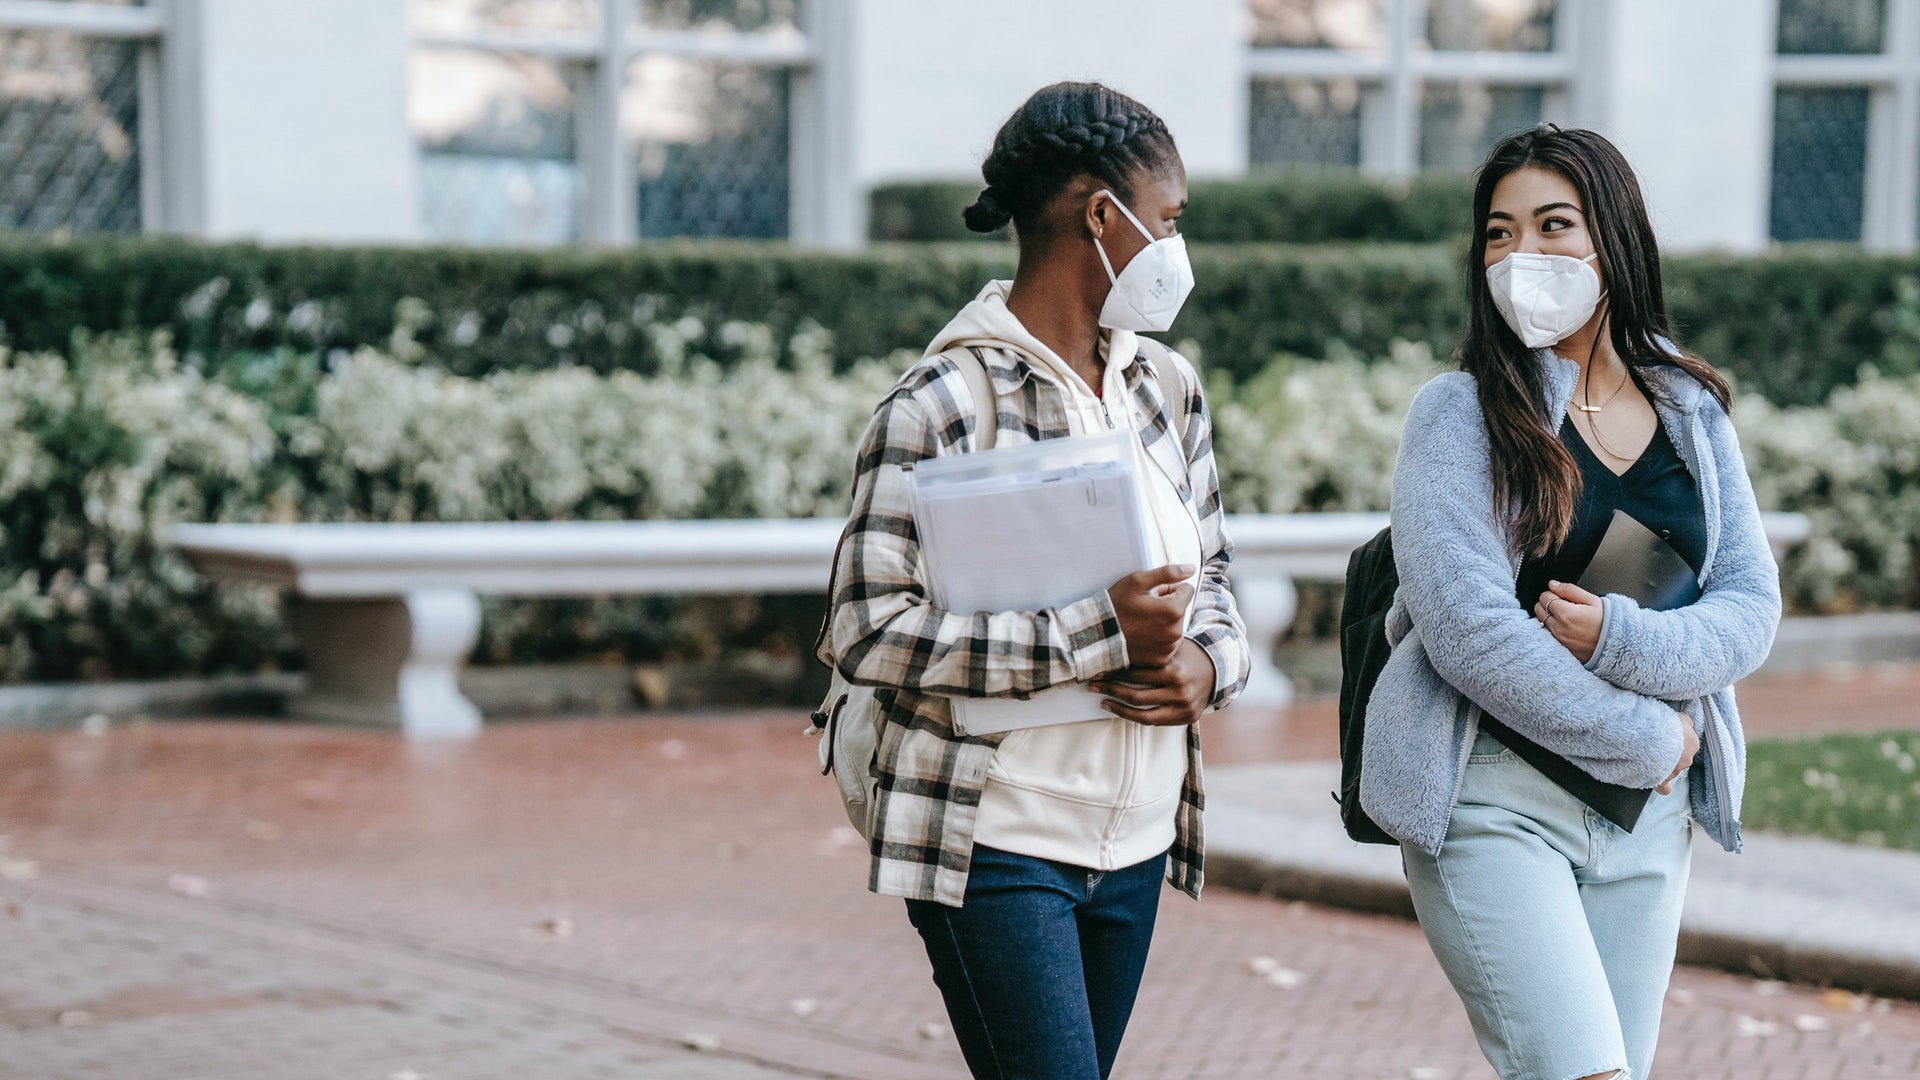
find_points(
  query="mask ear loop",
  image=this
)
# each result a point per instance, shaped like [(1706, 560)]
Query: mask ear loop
[(1113, 278)]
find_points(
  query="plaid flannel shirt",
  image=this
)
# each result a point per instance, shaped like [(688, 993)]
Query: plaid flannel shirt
[(885, 632)]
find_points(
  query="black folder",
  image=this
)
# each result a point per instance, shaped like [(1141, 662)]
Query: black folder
[(1635, 562)]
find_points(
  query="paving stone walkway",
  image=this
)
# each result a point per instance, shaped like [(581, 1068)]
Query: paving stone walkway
[(642, 897)]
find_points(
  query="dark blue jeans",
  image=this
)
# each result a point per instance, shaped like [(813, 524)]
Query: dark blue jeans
[(1040, 968)]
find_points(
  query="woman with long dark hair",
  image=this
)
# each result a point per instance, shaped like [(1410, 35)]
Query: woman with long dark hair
[(1543, 753), (1031, 861)]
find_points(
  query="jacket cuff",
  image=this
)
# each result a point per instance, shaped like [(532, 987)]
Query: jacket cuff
[(1095, 645), (1614, 611), (1225, 685)]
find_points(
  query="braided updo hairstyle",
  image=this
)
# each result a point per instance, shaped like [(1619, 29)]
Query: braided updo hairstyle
[(1064, 131)]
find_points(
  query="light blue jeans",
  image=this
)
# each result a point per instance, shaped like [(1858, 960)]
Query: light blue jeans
[(1556, 926)]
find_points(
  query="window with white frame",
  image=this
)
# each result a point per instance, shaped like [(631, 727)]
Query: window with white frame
[(1846, 122), (551, 121), (78, 113), (1396, 86)]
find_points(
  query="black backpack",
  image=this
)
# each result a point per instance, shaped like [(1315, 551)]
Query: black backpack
[(1371, 581)]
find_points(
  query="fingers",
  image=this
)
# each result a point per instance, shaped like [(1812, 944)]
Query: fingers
[(1141, 675), (1181, 595), (1571, 593), (1141, 697), (1156, 717), (1544, 612), (1149, 580)]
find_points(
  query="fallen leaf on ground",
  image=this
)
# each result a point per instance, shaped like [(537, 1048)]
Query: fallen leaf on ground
[(188, 884), (840, 838), (557, 928), (1752, 1028), (933, 1031), (697, 1040), (14, 910), (19, 869), (1261, 965), (1286, 979), (1842, 1000), (1809, 1022)]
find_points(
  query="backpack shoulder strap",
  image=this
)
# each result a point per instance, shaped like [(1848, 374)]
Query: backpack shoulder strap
[(1173, 384), (973, 368)]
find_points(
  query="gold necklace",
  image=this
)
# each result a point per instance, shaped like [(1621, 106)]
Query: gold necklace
[(1593, 419), (1626, 377)]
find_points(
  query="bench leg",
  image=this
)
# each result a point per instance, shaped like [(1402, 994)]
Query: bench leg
[(1267, 606), (390, 662)]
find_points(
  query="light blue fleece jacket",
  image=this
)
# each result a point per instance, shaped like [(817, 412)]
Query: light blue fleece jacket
[(1462, 643)]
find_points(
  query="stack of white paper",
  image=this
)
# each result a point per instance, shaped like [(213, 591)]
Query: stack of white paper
[(1024, 529)]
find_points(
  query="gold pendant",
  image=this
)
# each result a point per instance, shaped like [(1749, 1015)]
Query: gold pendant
[(1590, 408)]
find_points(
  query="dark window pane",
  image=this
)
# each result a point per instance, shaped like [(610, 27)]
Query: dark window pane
[(1318, 24), (1819, 163), (1460, 123), (69, 132), (710, 147), (499, 161), (718, 14), (1832, 26), (1305, 122), (538, 16), (1491, 25)]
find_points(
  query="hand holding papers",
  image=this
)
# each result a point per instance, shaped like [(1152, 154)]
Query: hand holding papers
[(1028, 528)]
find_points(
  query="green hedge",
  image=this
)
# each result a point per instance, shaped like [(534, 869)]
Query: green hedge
[(1791, 325), (1309, 207), (107, 444)]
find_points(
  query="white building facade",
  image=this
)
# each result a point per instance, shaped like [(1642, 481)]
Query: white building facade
[(620, 121)]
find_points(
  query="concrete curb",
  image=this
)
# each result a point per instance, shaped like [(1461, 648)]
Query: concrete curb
[(1809, 911)]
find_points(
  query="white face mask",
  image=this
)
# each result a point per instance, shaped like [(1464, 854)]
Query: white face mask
[(1148, 293), (1545, 298)]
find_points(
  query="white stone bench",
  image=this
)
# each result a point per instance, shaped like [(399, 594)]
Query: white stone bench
[(387, 614)]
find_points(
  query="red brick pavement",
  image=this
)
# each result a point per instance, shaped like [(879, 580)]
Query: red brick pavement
[(704, 888)]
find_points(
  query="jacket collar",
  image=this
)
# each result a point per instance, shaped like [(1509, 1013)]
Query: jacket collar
[(1009, 367), (1673, 389)]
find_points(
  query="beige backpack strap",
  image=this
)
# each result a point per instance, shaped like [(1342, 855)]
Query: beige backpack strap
[(1173, 385), (973, 368)]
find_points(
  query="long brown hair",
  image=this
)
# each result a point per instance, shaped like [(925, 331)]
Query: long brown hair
[(1535, 480)]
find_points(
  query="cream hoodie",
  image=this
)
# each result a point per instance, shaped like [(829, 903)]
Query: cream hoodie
[(1101, 793)]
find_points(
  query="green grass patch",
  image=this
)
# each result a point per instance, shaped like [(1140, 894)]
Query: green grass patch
[(1861, 789)]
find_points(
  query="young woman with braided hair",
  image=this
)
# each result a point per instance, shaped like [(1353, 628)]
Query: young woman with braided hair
[(1031, 861)]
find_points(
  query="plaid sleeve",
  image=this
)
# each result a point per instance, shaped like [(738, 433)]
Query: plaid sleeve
[(885, 630), (1215, 623)]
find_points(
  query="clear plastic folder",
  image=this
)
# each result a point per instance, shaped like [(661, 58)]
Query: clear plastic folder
[(1028, 528)]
